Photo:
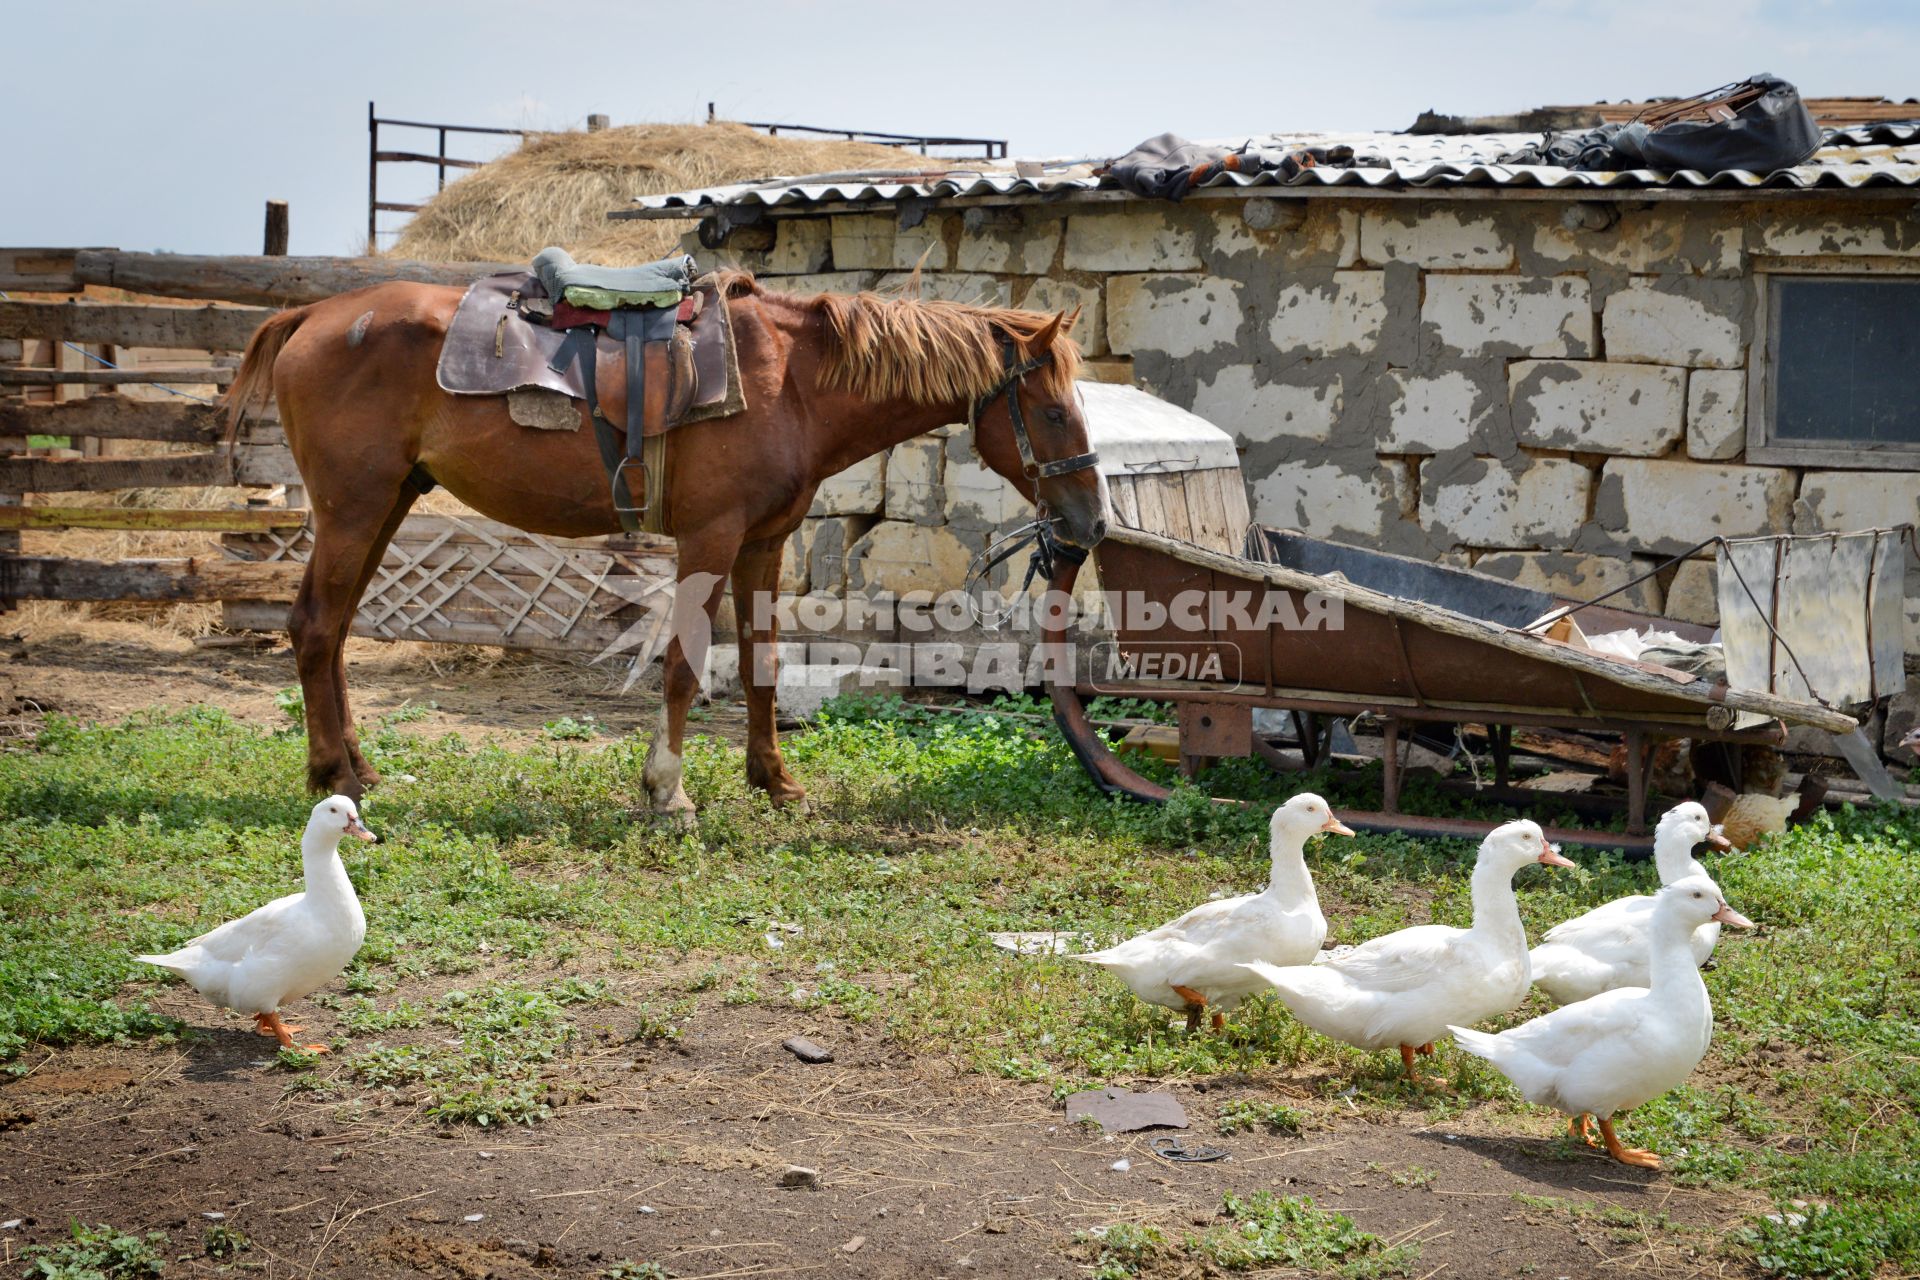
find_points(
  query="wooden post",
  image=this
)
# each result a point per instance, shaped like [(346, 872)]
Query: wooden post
[(595, 123), (276, 239)]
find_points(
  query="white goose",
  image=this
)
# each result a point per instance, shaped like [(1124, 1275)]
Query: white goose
[(1404, 988), (292, 946), (1607, 947), (1195, 963), (1623, 1047)]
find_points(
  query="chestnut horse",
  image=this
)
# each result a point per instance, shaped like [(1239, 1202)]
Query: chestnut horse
[(829, 380)]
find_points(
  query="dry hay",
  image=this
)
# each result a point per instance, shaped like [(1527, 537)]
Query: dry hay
[(557, 188)]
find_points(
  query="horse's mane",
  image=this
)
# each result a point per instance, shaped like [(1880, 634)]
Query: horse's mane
[(934, 352)]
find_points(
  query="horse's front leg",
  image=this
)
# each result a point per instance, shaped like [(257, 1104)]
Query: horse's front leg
[(696, 599), (756, 592)]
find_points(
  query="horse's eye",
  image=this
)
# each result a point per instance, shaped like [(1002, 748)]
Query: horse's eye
[(1056, 416)]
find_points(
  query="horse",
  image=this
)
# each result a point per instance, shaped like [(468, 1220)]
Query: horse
[(828, 380)]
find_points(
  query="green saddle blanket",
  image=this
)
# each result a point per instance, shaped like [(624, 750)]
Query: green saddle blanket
[(595, 288)]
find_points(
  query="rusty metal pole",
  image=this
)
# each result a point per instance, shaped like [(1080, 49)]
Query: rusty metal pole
[(373, 173), (1636, 744), (1390, 775)]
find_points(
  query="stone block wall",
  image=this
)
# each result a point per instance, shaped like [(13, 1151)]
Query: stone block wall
[(1466, 381)]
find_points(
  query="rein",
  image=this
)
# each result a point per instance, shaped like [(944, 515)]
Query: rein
[(1009, 386)]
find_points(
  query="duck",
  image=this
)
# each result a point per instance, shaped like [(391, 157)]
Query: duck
[(1404, 989), (291, 947), (1195, 964), (1607, 947), (1595, 1058)]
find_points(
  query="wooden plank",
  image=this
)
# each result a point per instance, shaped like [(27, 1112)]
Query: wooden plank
[(1206, 511), (128, 324), (249, 520), (264, 280), (588, 637), (198, 578), (1120, 496), (92, 475), (39, 270), (95, 376), (112, 417), (264, 465)]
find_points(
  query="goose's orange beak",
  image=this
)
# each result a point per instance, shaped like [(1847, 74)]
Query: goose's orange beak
[(1717, 838), (1336, 827), (1550, 856), (1727, 915), (355, 829)]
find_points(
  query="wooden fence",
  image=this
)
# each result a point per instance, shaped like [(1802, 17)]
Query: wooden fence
[(71, 373)]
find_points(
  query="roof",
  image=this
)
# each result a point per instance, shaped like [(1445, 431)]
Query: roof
[(1867, 156), (1828, 113)]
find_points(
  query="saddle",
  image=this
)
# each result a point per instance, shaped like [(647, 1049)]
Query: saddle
[(643, 349)]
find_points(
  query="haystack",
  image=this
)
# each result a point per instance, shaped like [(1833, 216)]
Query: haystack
[(556, 188)]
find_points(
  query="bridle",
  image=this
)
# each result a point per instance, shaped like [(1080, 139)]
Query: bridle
[(1009, 386)]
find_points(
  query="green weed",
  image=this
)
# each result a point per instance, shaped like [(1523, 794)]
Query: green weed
[(99, 1253)]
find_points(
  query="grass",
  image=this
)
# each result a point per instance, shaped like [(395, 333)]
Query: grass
[(517, 914), (99, 1253)]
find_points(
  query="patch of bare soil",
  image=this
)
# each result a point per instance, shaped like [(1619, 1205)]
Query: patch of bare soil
[(675, 1154), (101, 670)]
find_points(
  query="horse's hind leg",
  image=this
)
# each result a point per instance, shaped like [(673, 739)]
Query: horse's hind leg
[(368, 775), (350, 532)]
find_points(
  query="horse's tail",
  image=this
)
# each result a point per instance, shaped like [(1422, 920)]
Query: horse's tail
[(253, 385)]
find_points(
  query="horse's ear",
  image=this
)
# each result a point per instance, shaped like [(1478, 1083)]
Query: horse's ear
[(1044, 339)]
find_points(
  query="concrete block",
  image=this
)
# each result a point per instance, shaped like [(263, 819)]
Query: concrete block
[(863, 241), (1677, 321), (1486, 503), (859, 490), (793, 561), (1134, 239), (1843, 501), (1694, 593), (822, 282), (829, 551), (1716, 413), (1254, 412), (925, 245), (1338, 314), (1434, 236), (1574, 576), (1591, 406), (800, 245), (1049, 293), (1864, 233), (900, 557), (1026, 250), (976, 497), (984, 291), (1673, 238), (806, 687), (1328, 500), (1509, 315), (1669, 505), (1179, 315), (915, 470), (1432, 413), (723, 668)]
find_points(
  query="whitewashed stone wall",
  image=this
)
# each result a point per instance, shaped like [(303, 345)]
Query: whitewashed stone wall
[(1475, 383)]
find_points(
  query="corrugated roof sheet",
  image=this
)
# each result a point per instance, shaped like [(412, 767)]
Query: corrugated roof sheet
[(1884, 154)]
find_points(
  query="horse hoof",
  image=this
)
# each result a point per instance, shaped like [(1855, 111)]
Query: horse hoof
[(794, 798)]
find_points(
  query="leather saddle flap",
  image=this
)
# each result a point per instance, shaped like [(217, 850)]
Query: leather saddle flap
[(491, 349)]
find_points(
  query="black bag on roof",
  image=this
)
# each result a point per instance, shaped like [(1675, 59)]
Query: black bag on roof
[(1758, 125)]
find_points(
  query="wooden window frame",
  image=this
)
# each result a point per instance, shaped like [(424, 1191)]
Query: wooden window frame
[(1761, 448)]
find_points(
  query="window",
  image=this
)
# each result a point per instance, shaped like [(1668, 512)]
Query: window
[(1836, 382)]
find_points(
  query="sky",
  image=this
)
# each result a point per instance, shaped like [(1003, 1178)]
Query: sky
[(167, 126)]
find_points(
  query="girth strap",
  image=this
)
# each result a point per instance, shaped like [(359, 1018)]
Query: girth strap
[(645, 334)]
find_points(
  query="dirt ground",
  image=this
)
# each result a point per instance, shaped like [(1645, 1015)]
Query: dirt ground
[(673, 1153)]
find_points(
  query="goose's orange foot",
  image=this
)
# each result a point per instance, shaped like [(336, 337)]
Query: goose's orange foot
[(1636, 1156), (1425, 1050), (1581, 1129), (1406, 1060), (1219, 1022), (1196, 1005)]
